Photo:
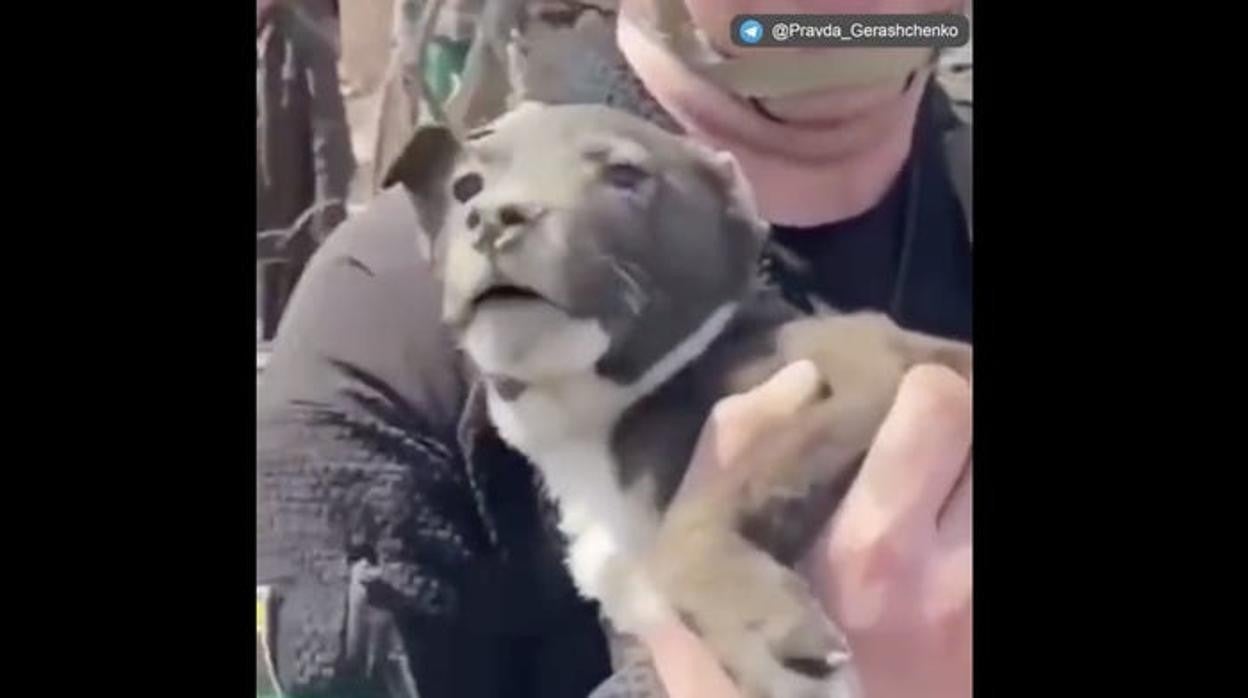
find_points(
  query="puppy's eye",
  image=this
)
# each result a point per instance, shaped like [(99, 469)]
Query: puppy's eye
[(623, 175), (466, 186)]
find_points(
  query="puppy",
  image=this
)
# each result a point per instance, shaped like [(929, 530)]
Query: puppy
[(600, 274)]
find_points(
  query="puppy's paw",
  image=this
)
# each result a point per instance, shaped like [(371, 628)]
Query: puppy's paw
[(811, 647), (775, 644), (811, 655), (757, 616), (761, 673)]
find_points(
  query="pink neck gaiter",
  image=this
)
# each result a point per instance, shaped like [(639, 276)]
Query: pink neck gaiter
[(804, 171)]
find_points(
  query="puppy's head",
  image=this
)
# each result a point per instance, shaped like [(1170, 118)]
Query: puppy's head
[(577, 238)]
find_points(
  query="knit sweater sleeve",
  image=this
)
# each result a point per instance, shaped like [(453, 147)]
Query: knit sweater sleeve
[(367, 519)]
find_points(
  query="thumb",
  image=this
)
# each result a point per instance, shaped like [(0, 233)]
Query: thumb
[(736, 421)]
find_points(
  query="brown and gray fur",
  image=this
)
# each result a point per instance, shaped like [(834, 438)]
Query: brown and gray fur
[(600, 274)]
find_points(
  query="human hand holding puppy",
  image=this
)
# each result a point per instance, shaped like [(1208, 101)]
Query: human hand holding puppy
[(893, 566)]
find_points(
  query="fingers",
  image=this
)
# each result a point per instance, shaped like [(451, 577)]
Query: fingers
[(953, 538), (918, 453), (739, 420), (954, 522), (948, 597), (746, 415), (685, 666)]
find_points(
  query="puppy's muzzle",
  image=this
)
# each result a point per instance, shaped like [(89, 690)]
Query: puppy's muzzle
[(498, 228)]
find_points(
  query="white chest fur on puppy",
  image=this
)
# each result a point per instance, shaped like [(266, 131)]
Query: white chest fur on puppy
[(600, 275), (564, 428)]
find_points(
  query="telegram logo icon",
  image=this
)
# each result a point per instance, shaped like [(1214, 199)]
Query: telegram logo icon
[(750, 31)]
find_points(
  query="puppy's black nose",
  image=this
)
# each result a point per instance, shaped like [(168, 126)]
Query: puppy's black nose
[(512, 215), (498, 227)]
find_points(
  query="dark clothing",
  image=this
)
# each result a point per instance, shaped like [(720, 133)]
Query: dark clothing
[(380, 478), (303, 146), (369, 448), (910, 256)]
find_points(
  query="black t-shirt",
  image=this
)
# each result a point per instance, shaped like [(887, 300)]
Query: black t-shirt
[(910, 256)]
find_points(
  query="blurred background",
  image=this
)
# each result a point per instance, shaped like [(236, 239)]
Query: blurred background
[(334, 96)]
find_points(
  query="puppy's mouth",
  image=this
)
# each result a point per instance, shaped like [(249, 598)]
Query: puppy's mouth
[(496, 296), (506, 292)]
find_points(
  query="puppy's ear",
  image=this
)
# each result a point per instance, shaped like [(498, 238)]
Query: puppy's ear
[(425, 160), (740, 206), (423, 169)]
